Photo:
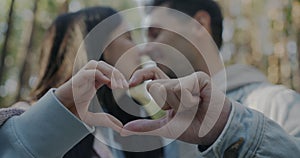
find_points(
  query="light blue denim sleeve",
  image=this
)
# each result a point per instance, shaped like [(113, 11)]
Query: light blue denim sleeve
[(46, 130), (261, 136)]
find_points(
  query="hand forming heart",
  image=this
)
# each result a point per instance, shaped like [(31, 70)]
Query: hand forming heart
[(77, 93), (196, 111)]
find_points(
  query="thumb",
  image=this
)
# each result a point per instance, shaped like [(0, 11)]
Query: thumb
[(142, 127), (102, 119)]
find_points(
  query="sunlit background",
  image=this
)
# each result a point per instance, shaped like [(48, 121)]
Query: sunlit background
[(263, 33)]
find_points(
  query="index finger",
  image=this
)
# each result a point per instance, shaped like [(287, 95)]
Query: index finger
[(151, 73), (116, 77)]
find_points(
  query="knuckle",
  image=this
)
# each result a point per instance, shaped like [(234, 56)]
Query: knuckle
[(138, 72), (101, 62), (116, 72), (93, 62), (149, 85), (176, 88), (154, 69), (202, 75)]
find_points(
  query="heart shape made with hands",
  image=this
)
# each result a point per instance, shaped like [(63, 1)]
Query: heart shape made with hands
[(178, 97), (186, 101), (194, 107), (84, 85), (84, 88)]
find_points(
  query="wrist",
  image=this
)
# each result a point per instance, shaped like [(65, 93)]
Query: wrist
[(62, 96), (213, 135)]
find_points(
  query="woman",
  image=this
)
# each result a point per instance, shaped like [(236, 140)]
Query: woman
[(48, 128), (59, 53)]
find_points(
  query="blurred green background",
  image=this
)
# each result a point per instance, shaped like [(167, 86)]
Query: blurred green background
[(263, 33)]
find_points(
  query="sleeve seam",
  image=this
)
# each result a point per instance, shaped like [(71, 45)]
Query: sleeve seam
[(261, 136), (212, 149), (19, 141)]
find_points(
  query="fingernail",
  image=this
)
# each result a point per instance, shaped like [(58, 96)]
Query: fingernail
[(132, 80), (120, 83), (114, 84), (125, 84), (124, 133)]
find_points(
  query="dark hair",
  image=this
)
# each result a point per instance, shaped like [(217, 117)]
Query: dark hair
[(61, 43), (191, 7), (58, 54)]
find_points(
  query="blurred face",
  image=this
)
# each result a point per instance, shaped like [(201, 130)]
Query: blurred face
[(179, 33), (121, 52)]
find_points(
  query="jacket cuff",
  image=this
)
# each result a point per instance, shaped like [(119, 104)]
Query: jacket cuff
[(48, 129), (241, 135)]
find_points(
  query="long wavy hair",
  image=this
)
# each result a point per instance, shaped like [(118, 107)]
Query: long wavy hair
[(60, 49), (60, 46)]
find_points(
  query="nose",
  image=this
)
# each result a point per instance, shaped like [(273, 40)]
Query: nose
[(145, 49), (151, 50)]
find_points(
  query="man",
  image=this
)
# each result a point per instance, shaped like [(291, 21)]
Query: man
[(247, 133)]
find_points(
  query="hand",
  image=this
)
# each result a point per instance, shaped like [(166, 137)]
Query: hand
[(196, 111), (150, 73), (77, 93)]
